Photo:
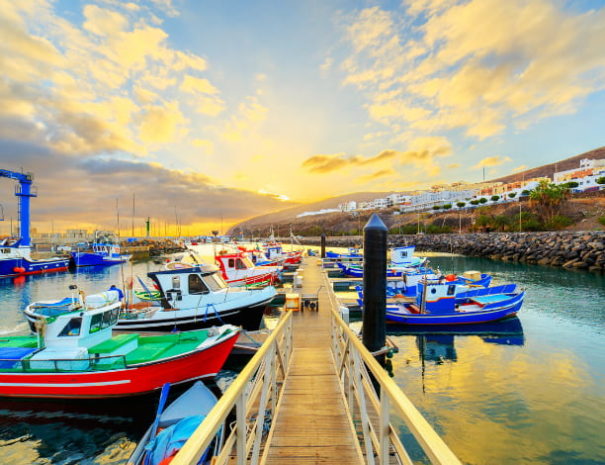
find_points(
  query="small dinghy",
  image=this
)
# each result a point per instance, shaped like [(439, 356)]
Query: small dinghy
[(174, 425)]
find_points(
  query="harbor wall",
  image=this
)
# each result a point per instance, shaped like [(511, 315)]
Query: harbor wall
[(567, 249)]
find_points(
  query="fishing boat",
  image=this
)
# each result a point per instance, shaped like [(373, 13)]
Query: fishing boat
[(238, 270), (194, 296), (104, 252), (353, 252), (452, 304), (174, 425), (15, 260), (402, 262), (75, 354), (408, 285)]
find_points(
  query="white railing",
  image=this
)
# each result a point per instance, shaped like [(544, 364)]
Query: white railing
[(253, 395), (372, 397)]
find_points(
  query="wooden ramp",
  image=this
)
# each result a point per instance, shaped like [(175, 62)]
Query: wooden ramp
[(312, 424)]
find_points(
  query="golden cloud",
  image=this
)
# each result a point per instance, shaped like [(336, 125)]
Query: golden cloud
[(489, 162), (473, 64)]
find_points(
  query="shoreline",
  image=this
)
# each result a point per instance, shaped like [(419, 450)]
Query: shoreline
[(582, 250)]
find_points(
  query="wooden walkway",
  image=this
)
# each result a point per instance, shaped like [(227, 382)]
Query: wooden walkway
[(312, 425)]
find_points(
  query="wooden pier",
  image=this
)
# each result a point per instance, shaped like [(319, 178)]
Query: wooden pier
[(312, 424), (313, 394)]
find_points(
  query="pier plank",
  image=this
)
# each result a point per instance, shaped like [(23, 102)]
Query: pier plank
[(312, 425)]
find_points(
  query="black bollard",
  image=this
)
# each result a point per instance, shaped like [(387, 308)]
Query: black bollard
[(323, 245), (374, 283)]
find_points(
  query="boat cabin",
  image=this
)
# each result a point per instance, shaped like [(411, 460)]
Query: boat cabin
[(438, 298), (402, 255), (187, 283)]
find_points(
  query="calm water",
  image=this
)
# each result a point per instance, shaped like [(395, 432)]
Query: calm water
[(531, 391), (68, 432)]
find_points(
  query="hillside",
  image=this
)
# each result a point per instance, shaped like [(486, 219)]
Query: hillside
[(288, 216), (550, 169)]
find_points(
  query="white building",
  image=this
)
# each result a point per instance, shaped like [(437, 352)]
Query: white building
[(587, 167), (348, 206)]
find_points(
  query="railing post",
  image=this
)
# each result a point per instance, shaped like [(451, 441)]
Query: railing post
[(240, 414), (384, 422), (363, 411), (262, 407)]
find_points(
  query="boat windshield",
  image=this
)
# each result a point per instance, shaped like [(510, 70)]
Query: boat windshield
[(248, 262), (215, 282)]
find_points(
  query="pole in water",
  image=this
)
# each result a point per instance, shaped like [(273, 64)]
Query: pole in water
[(374, 283), (323, 245)]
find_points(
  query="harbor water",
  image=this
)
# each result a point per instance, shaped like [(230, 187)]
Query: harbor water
[(529, 391)]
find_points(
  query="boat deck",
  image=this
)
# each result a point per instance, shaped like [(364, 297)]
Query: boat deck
[(312, 424)]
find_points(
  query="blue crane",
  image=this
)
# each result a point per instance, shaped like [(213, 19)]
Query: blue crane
[(24, 192)]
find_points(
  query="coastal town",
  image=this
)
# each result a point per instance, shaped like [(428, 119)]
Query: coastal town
[(588, 176)]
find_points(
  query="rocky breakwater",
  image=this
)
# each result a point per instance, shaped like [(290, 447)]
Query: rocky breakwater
[(568, 249)]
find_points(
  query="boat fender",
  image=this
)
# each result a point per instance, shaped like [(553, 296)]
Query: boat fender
[(450, 277), (19, 269)]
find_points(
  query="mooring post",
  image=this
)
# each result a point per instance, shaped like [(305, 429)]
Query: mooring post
[(374, 283), (323, 245)]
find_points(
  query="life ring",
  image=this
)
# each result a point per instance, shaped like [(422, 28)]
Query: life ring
[(19, 269)]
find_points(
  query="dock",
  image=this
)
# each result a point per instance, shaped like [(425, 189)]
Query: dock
[(311, 423), (313, 394)]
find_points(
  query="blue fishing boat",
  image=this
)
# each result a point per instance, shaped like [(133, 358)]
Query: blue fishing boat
[(352, 253), (452, 304), (173, 426), (104, 252), (408, 285), (402, 261)]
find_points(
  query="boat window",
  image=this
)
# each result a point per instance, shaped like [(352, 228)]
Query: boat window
[(451, 289), (115, 313), (107, 319), (72, 328), (176, 282), (231, 263), (215, 282), (96, 322), (240, 264), (196, 285)]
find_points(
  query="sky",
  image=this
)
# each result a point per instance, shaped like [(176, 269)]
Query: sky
[(214, 112)]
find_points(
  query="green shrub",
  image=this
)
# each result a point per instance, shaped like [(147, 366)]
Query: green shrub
[(495, 198), (436, 207), (558, 222), (601, 180), (474, 202), (602, 219), (436, 229), (483, 221), (512, 195), (525, 192), (447, 206), (571, 184), (482, 200), (461, 204)]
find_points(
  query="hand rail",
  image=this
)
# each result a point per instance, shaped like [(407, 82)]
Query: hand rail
[(356, 364), (253, 394)]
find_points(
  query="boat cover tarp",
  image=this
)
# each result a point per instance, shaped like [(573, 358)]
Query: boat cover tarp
[(197, 400), (172, 439), (10, 355)]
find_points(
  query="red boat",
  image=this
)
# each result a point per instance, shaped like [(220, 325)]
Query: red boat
[(80, 358), (238, 270)]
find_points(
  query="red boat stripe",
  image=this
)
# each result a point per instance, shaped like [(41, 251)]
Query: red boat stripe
[(103, 383)]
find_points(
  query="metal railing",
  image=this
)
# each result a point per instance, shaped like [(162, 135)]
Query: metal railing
[(372, 397), (253, 396)]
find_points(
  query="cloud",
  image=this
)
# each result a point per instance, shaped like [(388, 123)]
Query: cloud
[(250, 115), (95, 183), (473, 65), (326, 163), (489, 162), (106, 85), (453, 166), (376, 175), (519, 168)]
